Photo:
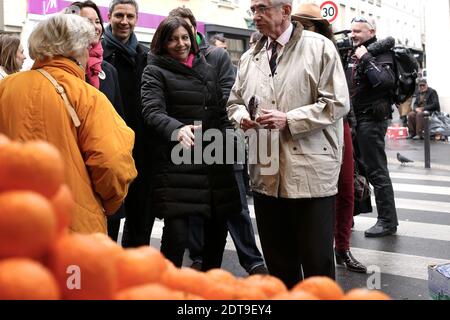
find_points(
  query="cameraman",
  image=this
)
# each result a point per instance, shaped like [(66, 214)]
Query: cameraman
[(371, 80)]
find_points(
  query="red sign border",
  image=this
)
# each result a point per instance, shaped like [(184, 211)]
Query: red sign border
[(335, 6)]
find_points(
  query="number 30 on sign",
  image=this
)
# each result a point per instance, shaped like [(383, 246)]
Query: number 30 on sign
[(329, 11)]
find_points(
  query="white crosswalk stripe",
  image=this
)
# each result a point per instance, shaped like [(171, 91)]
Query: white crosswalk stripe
[(396, 263), (411, 176), (417, 188)]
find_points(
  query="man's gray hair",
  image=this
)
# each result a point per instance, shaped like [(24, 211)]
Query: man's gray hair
[(280, 2), (64, 35), (114, 3)]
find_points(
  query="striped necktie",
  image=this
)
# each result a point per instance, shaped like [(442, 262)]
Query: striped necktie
[(273, 58)]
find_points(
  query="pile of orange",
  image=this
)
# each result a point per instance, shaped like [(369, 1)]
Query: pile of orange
[(40, 259)]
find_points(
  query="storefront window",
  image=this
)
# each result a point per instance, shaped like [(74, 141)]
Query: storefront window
[(235, 49)]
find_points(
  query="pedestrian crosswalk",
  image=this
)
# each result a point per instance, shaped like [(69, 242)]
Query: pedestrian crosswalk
[(423, 237)]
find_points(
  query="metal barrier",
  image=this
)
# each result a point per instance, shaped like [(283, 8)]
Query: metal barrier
[(426, 137)]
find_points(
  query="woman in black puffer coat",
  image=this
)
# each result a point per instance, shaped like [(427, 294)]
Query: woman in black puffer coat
[(179, 91)]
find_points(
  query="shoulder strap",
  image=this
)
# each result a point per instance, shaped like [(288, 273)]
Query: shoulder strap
[(62, 93), (3, 73)]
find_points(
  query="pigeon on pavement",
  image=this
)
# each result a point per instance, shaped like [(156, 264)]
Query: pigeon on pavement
[(403, 159)]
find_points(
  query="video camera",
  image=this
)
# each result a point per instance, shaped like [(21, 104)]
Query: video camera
[(343, 40), (344, 44)]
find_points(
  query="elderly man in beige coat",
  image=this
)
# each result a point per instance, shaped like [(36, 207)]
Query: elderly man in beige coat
[(299, 81)]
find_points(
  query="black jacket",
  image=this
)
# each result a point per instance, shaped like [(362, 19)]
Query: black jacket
[(130, 74), (371, 81), (220, 60), (174, 95), (110, 87), (129, 70), (431, 101)]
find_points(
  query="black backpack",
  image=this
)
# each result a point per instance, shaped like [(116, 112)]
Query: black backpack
[(406, 71)]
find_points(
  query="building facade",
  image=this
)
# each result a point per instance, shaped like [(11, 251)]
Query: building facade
[(229, 17), (437, 26)]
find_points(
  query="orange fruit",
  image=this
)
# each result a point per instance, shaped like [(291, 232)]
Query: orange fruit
[(223, 285), (139, 266), (83, 267), (222, 276), (268, 284), (153, 292), (63, 204), (24, 279), (247, 291), (109, 244), (204, 285), (295, 295), (27, 225), (4, 139), (323, 288), (186, 280), (34, 165), (365, 294)]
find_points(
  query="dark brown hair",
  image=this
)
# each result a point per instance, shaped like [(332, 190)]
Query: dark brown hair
[(165, 31), (9, 45), (184, 13), (325, 30), (90, 4), (115, 3)]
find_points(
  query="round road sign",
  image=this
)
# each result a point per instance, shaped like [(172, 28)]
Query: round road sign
[(330, 11)]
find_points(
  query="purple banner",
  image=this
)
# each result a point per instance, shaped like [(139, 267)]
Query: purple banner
[(43, 7), (146, 20)]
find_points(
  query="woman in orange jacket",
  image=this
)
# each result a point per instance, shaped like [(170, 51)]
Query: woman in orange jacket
[(94, 141)]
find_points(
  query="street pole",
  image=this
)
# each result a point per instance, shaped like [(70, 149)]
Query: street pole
[(427, 139)]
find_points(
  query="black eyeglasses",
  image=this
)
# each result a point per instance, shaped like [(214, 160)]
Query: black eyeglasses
[(363, 20), (261, 9)]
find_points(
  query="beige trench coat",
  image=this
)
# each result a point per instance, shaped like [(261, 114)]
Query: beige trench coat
[(309, 86)]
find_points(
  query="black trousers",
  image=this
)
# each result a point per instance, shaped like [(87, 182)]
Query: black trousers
[(370, 136), (295, 235), (175, 240), (139, 218)]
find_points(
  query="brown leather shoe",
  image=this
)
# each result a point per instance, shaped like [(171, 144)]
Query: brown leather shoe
[(345, 258)]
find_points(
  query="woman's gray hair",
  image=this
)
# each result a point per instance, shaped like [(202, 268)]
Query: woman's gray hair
[(64, 35)]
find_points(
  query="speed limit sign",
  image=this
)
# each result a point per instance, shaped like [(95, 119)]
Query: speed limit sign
[(330, 11)]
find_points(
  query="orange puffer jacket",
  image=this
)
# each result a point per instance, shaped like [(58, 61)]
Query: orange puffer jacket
[(98, 155)]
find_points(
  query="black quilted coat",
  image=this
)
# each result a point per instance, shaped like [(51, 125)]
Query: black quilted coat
[(174, 95)]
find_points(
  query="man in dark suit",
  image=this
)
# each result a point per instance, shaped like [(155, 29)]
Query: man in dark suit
[(129, 57)]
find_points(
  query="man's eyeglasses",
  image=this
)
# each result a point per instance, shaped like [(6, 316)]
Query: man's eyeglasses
[(261, 9), (363, 20)]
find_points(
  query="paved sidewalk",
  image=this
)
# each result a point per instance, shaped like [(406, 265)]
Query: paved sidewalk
[(414, 150)]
